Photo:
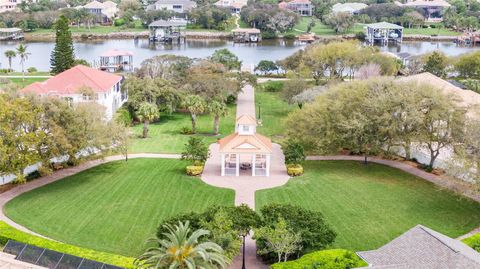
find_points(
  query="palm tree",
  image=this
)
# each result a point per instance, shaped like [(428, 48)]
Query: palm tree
[(147, 112), (22, 52), (180, 248), (10, 54), (218, 109), (195, 105)]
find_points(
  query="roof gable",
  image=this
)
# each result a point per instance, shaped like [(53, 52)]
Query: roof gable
[(71, 80), (255, 143)]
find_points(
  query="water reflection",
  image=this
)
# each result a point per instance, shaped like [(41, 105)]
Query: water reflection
[(249, 53)]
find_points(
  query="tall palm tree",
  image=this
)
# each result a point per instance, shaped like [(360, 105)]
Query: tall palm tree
[(218, 109), (195, 105), (147, 112), (10, 54), (181, 248), (22, 52)]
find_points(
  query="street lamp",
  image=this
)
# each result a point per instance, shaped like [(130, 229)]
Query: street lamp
[(243, 261)]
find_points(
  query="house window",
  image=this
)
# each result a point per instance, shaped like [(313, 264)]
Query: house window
[(246, 128), (86, 97), (177, 6)]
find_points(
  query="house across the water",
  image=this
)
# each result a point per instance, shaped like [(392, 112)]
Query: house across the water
[(84, 84), (235, 6), (104, 11), (432, 10), (301, 7)]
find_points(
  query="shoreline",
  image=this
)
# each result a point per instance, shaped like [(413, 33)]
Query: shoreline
[(199, 35)]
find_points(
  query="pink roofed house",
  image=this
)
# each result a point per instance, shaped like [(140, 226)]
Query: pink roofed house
[(73, 83)]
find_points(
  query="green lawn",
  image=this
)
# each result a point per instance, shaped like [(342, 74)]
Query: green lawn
[(27, 81), (370, 205), (273, 111), (165, 136), (430, 31), (97, 29), (114, 207)]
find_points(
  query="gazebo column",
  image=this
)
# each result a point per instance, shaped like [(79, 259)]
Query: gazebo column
[(223, 164), (237, 165), (254, 156), (267, 165)]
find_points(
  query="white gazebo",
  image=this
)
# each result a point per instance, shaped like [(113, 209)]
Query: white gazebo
[(245, 150)]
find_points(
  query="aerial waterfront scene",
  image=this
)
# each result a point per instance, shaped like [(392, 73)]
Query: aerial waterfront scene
[(280, 134)]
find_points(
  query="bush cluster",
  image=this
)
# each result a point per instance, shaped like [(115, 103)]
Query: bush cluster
[(294, 170), (272, 86), (7, 232), (325, 259), (194, 170)]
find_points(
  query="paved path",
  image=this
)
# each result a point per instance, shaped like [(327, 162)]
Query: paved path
[(245, 185), (60, 174)]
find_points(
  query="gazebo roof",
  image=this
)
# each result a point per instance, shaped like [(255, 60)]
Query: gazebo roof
[(384, 25), (236, 143), (246, 120), (116, 52)]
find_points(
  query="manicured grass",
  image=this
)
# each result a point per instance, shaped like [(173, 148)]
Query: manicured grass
[(165, 136), (115, 207), (370, 205), (27, 81), (430, 31), (97, 29), (273, 111)]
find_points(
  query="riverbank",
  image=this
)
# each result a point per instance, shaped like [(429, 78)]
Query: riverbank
[(199, 35), (45, 37)]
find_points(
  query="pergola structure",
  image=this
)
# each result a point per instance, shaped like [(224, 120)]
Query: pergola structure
[(245, 150), (11, 33), (116, 60), (383, 32), (171, 31)]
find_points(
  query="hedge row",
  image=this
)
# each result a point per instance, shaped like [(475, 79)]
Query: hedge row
[(8, 232), (324, 259), (473, 242)]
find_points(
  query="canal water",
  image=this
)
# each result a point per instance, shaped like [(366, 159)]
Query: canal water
[(249, 54)]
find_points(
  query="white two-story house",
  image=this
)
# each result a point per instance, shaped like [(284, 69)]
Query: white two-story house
[(84, 84), (177, 6)]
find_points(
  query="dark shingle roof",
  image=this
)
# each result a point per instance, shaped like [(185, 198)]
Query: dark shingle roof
[(421, 247)]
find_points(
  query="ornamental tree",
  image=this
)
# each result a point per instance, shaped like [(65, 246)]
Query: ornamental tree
[(62, 57)]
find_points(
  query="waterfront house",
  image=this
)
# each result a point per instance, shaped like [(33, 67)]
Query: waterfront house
[(104, 11), (421, 247), (245, 150), (432, 9), (83, 84), (177, 6), (235, 6), (9, 5), (301, 7), (351, 8)]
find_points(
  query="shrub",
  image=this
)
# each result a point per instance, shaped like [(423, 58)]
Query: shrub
[(186, 130), (194, 170), (32, 70), (294, 152), (272, 86), (195, 150), (315, 232), (119, 22), (360, 36), (325, 259), (7, 232), (294, 170), (473, 242), (289, 36), (268, 35)]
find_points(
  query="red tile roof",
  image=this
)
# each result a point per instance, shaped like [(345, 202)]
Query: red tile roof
[(69, 81)]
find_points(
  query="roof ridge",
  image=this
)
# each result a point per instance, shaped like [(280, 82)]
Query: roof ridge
[(87, 76), (425, 229)]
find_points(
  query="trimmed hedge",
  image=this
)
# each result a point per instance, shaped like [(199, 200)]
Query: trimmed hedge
[(294, 170), (324, 259), (473, 242), (8, 232), (194, 170)]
